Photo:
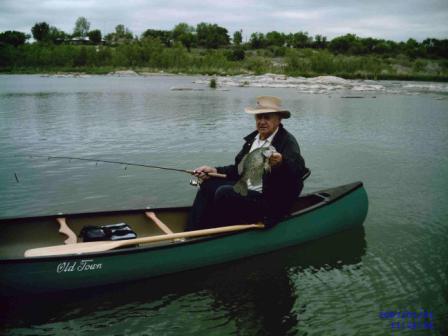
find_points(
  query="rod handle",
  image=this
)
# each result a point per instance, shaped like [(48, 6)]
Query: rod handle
[(217, 175), (209, 174)]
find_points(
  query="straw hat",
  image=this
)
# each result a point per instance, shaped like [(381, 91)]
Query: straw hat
[(268, 104)]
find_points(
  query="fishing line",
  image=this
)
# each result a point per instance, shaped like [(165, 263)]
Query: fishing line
[(70, 158), (126, 164)]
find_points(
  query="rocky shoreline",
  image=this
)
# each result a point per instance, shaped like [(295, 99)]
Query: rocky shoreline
[(347, 88)]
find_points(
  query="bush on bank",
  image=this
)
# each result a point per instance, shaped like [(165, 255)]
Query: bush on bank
[(152, 55)]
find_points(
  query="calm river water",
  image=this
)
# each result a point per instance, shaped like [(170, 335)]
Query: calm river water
[(393, 137)]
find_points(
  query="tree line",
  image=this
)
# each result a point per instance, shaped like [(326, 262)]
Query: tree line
[(209, 48), (213, 36)]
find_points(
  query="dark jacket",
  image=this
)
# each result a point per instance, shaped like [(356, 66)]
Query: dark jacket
[(284, 183)]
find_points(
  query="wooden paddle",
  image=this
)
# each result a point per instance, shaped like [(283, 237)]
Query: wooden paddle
[(100, 246)]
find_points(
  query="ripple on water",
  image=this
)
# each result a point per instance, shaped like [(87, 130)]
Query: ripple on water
[(395, 144)]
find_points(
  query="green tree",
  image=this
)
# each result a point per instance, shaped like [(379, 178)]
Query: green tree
[(123, 33), (184, 34), (436, 48), (320, 42), (413, 48), (299, 40), (212, 36), (40, 31), (14, 38), (56, 36), (429, 44), (238, 37), (257, 41), (82, 27), (347, 44), (81, 57), (120, 36), (164, 36), (95, 36), (383, 48), (236, 54), (8, 55), (275, 38), (368, 45)]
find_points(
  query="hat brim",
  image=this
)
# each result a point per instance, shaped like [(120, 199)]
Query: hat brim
[(253, 110)]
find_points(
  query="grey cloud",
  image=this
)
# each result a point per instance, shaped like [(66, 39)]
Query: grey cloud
[(397, 20)]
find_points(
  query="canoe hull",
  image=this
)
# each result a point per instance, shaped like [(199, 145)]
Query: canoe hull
[(71, 272)]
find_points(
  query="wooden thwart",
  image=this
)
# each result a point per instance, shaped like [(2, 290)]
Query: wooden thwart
[(65, 230), (101, 246), (162, 226)]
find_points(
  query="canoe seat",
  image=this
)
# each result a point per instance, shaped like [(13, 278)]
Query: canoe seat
[(306, 174)]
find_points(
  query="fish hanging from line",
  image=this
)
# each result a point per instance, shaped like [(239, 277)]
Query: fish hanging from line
[(252, 167)]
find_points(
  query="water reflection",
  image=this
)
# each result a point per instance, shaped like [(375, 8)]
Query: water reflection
[(254, 296)]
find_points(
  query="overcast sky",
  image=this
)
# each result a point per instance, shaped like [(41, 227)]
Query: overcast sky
[(390, 19)]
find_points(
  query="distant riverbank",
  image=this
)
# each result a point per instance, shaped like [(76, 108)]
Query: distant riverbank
[(306, 63)]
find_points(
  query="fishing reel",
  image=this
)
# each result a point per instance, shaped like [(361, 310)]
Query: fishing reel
[(195, 182)]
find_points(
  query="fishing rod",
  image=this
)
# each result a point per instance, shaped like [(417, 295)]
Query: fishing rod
[(191, 172)]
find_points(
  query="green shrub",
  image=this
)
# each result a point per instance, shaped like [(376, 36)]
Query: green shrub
[(236, 54)]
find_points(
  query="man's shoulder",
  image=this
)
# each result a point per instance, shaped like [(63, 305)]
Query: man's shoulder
[(285, 132), (284, 136)]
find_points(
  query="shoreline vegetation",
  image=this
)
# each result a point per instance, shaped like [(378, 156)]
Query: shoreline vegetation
[(207, 49)]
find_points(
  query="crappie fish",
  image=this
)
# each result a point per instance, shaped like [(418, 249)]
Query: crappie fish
[(253, 166)]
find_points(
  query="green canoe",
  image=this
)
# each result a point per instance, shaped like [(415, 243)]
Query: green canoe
[(313, 216)]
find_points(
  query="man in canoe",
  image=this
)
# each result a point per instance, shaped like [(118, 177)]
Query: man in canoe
[(264, 181)]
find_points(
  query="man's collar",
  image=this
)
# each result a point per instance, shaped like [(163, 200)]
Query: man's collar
[(269, 138), (251, 136)]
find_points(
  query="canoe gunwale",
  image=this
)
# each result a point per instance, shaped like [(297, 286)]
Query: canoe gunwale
[(347, 190)]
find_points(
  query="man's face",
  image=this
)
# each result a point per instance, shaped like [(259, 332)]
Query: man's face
[(267, 123)]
